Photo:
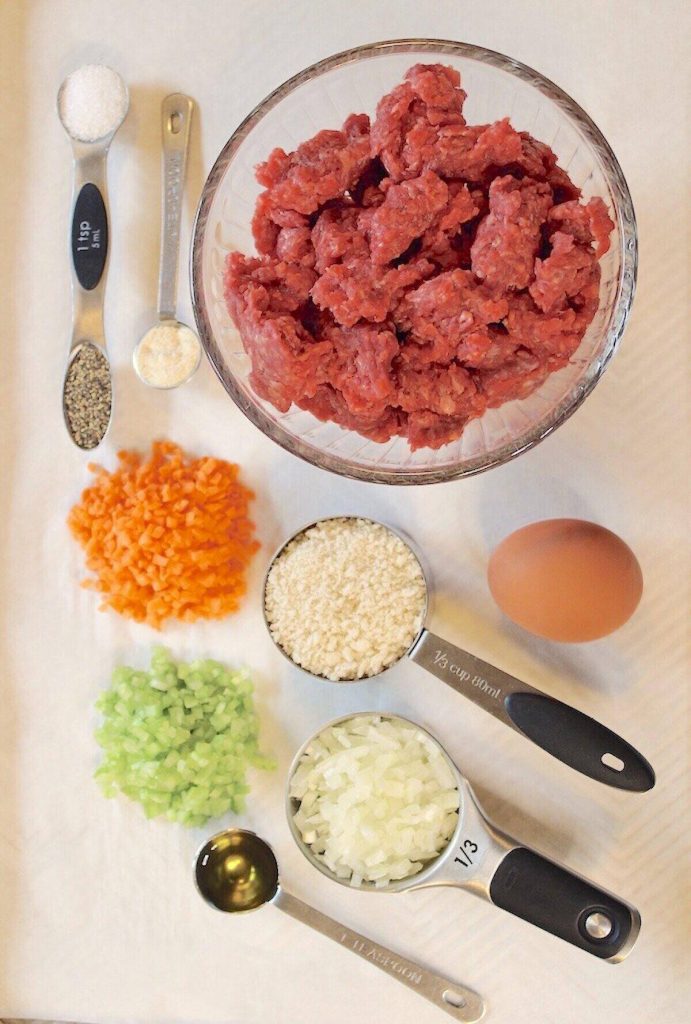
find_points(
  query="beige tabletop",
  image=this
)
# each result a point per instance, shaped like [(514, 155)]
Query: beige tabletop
[(99, 920)]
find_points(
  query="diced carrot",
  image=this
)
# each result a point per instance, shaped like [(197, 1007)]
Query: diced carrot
[(166, 537)]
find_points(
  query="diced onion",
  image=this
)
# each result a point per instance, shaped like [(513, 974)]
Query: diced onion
[(377, 799)]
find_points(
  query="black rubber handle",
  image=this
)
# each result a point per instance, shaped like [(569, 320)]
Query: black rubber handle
[(579, 741), (547, 895), (89, 236)]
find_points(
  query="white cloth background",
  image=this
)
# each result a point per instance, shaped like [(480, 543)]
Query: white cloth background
[(99, 919)]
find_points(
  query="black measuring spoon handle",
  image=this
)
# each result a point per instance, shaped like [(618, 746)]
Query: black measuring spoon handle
[(89, 236), (549, 896), (579, 741), (89, 241), (574, 738)]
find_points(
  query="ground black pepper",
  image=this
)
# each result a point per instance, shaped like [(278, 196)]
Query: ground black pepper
[(88, 396)]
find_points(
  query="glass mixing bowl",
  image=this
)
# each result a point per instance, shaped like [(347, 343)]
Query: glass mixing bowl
[(322, 96)]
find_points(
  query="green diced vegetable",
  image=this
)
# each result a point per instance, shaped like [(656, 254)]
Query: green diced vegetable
[(179, 738)]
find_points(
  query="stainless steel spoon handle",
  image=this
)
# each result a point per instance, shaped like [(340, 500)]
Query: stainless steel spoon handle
[(561, 730), (459, 1002), (176, 118), (89, 242)]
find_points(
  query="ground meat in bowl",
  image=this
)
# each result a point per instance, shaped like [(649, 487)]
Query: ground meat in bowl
[(415, 271)]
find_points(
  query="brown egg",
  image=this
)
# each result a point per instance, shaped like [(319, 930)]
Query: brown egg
[(565, 579)]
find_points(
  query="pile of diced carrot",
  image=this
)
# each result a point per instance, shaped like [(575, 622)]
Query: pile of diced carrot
[(166, 537)]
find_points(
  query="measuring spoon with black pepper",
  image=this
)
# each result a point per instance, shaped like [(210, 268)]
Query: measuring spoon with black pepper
[(87, 400)]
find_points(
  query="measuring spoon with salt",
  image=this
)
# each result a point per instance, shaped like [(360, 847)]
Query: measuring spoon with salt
[(169, 353), (236, 871), (92, 104)]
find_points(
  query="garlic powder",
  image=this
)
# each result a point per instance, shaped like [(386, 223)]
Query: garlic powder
[(167, 355)]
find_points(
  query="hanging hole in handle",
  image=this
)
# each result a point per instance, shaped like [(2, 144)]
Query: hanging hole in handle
[(175, 122), (453, 998), (613, 762), (597, 925)]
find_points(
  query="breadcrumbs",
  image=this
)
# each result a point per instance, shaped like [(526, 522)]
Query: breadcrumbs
[(168, 537), (345, 599)]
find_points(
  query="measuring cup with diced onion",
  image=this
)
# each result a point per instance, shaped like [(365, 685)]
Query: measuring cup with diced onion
[(477, 855), (294, 617)]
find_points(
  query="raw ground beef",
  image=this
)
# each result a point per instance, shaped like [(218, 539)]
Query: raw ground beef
[(414, 272)]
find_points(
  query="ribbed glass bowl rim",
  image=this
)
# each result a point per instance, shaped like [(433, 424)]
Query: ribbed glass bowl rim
[(626, 284)]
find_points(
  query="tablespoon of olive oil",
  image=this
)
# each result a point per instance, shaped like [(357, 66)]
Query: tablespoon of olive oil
[(236, 872)]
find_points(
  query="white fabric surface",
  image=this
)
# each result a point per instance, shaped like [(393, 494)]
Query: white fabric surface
[(99, 920)]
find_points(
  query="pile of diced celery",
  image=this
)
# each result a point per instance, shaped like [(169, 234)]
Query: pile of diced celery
[(179, 738)]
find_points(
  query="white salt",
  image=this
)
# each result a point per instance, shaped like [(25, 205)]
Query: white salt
[(167, 355), (93, 102)]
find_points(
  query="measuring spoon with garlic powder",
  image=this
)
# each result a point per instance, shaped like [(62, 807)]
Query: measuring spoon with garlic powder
[(568, 734), (236, 871), (170, 352), (92, 104), (484, 860)]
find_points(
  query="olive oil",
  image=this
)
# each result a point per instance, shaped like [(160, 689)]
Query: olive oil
[(236, 871)]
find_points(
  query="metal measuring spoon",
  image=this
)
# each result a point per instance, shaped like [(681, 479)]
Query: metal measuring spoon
[(236, 871), (481, 858), (568, 734), (87, 387), (169, 335)]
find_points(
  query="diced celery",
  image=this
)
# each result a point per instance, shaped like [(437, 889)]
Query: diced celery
[(179, 738)]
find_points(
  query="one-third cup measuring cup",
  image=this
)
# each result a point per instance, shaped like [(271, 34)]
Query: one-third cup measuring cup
[(303, 590), (484, 860)]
